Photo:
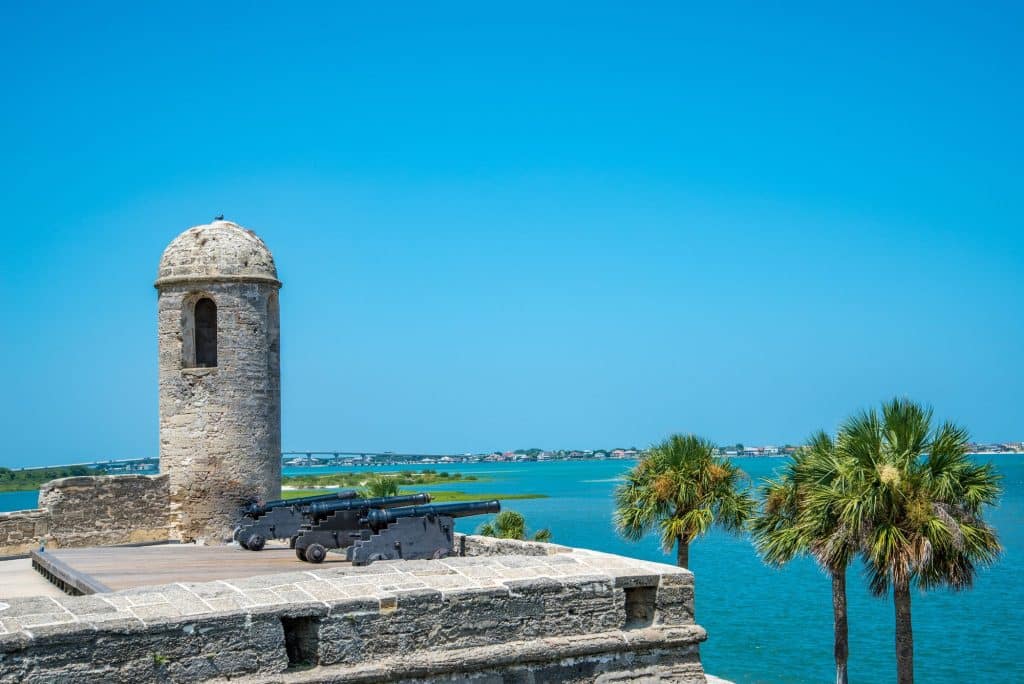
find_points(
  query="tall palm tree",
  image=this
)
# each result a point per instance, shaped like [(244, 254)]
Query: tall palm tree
[(915, 501), (787, 527), (682, 488)]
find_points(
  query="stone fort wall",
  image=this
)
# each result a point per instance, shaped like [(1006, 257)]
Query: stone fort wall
[(90, 511), (21, 531), (569, 615)]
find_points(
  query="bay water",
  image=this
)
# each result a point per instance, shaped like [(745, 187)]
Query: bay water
[(18, 501), (764, 624)]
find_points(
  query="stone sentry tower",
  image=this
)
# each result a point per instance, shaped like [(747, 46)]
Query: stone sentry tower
[(220, 377)]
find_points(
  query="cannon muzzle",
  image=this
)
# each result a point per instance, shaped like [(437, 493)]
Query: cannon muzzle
[(323, 508), (254, 509), (377, 518)]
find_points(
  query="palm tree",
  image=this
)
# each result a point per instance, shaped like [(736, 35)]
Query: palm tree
[(683, 488), (512, 525), (914, 500), (787, 527)]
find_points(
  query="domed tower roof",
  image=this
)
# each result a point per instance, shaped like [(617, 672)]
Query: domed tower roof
[(221, 250)]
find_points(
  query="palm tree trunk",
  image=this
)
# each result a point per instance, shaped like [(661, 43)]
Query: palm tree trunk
[(904, 633), (682, 553), (842, 644)]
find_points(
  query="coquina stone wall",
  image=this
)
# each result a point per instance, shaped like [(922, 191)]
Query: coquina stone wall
[(570, 616), (106, 510), (220, 428), (22, 531), (476, 545), (90, 511)]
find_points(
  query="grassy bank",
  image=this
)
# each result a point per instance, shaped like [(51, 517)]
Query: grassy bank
[(411, 478), (436, 497), (29, 480)]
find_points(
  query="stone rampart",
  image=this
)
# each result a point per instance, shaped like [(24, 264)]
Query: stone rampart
[(476, 545), (569, 616), (21, 531), (90, 511)]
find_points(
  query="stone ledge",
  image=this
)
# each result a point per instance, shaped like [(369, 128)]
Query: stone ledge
[(200, 372), (27, 513), (186, 280), (98, 480), (476, 545)]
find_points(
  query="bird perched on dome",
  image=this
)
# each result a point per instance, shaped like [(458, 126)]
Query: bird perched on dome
[(219, 217)]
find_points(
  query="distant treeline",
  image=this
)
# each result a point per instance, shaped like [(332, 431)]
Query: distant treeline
[(405, 477), (27, 480)]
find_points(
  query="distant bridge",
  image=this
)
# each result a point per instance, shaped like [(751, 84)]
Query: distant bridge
[(116, 465)]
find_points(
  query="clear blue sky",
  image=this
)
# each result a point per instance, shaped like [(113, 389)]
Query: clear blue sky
[(520, 225)]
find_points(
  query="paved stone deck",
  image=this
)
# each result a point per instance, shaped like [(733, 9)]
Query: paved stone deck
[(123, 567)]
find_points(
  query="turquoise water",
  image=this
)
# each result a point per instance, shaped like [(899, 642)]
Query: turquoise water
[(18, 501), (770, 625)]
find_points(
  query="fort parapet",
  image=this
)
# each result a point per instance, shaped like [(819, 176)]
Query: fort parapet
[(90, 511), (546, 614)]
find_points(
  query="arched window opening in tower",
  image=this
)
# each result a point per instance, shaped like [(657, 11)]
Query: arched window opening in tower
[(206, 333)]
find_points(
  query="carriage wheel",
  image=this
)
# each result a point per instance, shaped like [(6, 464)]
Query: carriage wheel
[(316, 553)]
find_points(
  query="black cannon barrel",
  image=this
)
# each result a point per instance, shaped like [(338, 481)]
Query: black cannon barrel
[(320, 509), (379, 518), (257, 508)]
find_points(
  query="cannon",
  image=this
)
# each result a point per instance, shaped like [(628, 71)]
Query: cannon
[(335, 524), (323, 510), (279, 519), (257, 508), (408, 533), (378, 519)]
